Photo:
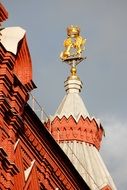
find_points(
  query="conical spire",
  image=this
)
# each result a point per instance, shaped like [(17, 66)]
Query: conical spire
[(72, 104), (77, 133)]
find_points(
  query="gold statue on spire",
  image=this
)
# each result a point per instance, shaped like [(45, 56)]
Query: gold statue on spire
[(74, 44)]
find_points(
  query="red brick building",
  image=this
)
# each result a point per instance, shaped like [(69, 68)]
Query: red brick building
[(29, 156)]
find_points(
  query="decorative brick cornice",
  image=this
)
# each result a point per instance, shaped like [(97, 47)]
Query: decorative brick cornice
[(19, 96), (6, 164), (85, 130), (6, 58), (16, 121), (3, 154), (10, 167)]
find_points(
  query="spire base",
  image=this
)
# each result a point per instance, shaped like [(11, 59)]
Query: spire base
[(73, 85)]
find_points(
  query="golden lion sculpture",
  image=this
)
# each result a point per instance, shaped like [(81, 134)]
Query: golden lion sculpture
[(74, 44)]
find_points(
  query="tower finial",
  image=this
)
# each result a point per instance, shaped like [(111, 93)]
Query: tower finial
[(74, 46)]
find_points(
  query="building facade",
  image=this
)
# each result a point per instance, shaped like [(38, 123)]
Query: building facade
[(29, 156), (61, 153)]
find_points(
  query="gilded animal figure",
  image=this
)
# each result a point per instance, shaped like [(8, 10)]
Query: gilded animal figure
[(73, 47)]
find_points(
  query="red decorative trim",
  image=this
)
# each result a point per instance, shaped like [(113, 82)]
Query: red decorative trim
[(32, 181), (107, 187), (19, 179), (8, 170), (3, 13), (23, 64), (84, 130)]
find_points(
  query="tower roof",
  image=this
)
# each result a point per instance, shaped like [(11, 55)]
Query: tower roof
[(77, 134), (72, 103), (89, 164)]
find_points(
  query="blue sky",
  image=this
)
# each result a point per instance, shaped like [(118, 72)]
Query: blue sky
[(104, 73)]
